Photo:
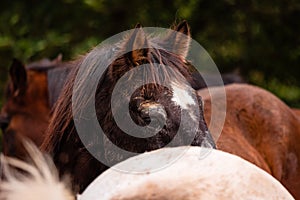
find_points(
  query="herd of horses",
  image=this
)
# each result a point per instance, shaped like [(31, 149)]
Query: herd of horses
[(258, 126)]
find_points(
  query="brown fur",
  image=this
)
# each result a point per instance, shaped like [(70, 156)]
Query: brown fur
[(261, 129), (26, 111), (28, 114), (296, 111)]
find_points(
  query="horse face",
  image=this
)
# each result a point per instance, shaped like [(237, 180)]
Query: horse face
[(167, 112), (165, 107), (26, 111)]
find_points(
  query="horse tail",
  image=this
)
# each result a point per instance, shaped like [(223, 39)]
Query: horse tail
[(35, 180)]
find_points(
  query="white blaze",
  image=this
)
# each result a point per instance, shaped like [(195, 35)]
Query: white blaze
[(181, 96)]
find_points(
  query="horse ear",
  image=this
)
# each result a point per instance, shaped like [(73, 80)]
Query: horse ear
[(18, 77), (180, 40), (58, 59), (184, 28), (137, 45)]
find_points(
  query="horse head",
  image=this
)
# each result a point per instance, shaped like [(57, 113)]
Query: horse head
[(26, 111), (164, 104)]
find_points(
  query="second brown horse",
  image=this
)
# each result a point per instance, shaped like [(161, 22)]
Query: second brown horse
[(260, 128), (29, 96)]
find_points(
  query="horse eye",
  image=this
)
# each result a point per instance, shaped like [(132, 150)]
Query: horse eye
[(4, 122), (138, 98), (136, 102)]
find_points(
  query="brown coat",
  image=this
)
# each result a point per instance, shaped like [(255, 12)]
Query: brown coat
[(261, 129)]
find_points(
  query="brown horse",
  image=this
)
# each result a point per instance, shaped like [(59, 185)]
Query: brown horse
[(296, 111), (149, 105), (261, 129), (30, 95)]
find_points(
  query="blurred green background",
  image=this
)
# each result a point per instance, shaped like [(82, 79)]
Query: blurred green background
[(259, 38)]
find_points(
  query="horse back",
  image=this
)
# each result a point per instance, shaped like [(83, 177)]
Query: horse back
[(261, 129)]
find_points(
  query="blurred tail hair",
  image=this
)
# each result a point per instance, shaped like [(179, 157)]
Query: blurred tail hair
[(35, 180)]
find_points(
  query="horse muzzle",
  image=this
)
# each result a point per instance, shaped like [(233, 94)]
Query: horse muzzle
[(153, 114)]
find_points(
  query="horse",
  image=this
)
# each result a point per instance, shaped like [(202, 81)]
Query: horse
[(214, 79), (260, 128), (30, 95), (296, 111), (220, 175), (55, 72), (38, 173), (150, 105)]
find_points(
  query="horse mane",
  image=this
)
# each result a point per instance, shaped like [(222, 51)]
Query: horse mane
[(57, 73), (41, 66), (45, 64), (61, 120), (56, 79)]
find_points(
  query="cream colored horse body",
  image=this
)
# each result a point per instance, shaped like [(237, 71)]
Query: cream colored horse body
[(191, 173)]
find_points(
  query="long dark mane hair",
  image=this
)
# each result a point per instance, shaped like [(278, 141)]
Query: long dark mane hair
[(62, 140)]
